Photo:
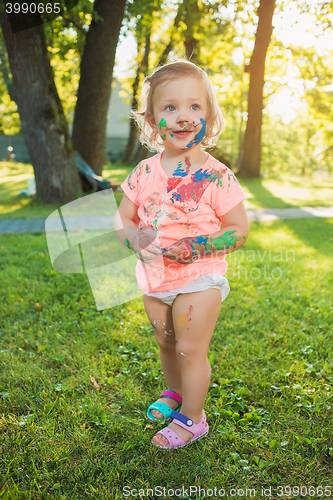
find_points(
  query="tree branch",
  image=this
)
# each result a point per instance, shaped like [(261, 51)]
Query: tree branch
[(69, 20)]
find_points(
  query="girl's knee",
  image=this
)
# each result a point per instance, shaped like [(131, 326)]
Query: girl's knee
[(188, 353), (165, 338)]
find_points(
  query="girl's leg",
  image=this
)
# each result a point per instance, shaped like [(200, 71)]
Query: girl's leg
[(160, 316), (194, 318)]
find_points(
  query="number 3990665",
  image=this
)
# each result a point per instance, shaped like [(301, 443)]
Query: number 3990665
[(32, 8)]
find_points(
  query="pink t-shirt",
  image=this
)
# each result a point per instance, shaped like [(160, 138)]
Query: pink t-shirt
[(184, 205)]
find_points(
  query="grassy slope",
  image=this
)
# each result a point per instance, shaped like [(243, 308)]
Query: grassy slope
[(270, 402), (269, 193)]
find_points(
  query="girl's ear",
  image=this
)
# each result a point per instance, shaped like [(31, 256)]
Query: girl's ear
[(152, 122)]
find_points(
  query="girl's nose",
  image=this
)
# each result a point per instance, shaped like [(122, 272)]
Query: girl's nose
[(182, 123), (182, 116)]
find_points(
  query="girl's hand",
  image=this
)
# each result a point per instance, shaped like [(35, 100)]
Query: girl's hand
[(184, 251), (144, 244)]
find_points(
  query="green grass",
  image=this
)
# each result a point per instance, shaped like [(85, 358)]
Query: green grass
[(267, 193), (288, 192), (269, 406)]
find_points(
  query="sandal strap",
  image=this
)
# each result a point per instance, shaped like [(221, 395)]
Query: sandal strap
[(171, 395), (184, 421), (161, 407)]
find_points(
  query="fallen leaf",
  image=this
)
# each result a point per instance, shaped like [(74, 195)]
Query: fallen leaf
[(94, 383), (19, 298)]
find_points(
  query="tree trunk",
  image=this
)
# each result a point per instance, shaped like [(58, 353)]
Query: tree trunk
[(250, 166), (133, 133), (43, 121), (192, 16), (142, 69), (93, 97), (169, 47)]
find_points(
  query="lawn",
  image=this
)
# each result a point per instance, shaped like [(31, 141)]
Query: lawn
[(280, 192), (75, 382)]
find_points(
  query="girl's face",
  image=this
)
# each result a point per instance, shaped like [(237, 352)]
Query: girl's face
[(179, 113)]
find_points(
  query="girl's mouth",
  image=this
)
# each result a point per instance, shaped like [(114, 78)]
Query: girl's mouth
[(182, 133)]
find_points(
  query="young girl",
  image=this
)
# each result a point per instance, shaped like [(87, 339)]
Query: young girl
[(181, 213)]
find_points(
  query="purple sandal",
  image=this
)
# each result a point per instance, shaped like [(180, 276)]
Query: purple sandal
[(199, 431)]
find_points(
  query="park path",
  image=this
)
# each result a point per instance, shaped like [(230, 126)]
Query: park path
[(104, 222)]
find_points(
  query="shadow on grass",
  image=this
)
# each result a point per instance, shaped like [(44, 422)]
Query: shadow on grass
[(314, 230), (316, 233), (262, 196)]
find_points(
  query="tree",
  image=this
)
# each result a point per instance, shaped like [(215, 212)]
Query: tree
[(42, 117), (250, 165), (142, 70), (189, 14), (89, 128)]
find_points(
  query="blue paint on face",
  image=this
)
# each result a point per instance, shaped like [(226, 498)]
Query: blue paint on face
[(200, 135)]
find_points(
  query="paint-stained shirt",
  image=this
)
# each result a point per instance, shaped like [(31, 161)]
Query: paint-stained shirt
[(184, 205)]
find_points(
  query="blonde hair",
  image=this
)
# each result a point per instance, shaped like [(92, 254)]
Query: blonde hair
[(164, 74)]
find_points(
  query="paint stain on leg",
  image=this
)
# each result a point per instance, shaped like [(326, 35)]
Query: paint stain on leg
[(186, 317), (183, 319)]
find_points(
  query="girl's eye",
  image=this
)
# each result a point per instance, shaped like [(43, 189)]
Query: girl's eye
[(195, 107), (170, 108)]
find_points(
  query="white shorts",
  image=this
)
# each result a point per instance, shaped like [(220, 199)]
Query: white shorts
[(196, 285)]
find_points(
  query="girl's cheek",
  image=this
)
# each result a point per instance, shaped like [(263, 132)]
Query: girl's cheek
[(163, 127), (162, 124)]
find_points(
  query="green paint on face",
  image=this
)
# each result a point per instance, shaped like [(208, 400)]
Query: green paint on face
[(163, 137), (188, 126), (162, 123)]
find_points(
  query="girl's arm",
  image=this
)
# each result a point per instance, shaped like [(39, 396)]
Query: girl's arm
[(140, 240), (126, 222), (234, 232), (233, 235)]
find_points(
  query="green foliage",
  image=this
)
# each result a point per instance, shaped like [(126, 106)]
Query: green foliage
[(223, 34), (10, 123)]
